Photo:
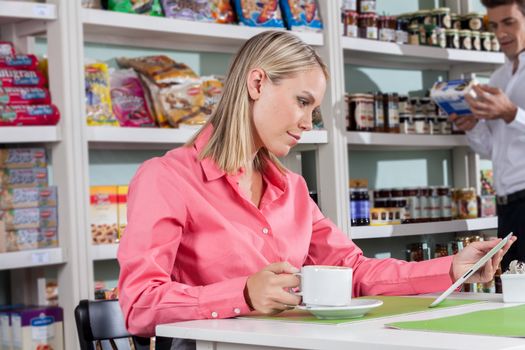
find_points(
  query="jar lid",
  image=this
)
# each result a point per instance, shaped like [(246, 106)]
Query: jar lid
[(454, 16), (465, 32), (475, 32), (473, 14), (486, 33), (451, 31), (441, 10)]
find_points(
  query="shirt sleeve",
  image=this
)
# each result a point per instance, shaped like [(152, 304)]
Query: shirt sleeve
[(519, 120), (480, 139), (148, 292), (330, 246)]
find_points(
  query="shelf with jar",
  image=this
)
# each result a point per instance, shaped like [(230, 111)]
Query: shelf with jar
[(426, 36)]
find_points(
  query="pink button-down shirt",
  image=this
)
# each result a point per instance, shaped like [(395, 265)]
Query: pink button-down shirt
[(193, 239)]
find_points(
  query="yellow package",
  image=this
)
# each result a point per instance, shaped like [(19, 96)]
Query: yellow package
[(98, 96), (122, 204)]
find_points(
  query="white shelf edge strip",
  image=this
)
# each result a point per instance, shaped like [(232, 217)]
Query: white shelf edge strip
[(385, 139), (22, 134), (27, 10), (31, 258)]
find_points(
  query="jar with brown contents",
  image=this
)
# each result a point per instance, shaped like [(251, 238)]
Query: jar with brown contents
[(452, 38), (360, 112), (367, 24), (445, 203), (350, 24), (379, 113), (392, 107)]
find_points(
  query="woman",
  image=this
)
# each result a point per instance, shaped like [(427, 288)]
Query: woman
[(216, 228)]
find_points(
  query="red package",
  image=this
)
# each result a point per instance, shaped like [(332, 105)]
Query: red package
[(24, 96), (6, 48), (19, 78), (19, 62), (29, 115)]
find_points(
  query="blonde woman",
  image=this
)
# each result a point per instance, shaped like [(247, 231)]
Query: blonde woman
[(217, 227)]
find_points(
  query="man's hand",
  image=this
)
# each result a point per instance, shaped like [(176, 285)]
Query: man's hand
[(472, 253), (491, 103), (463, 123)]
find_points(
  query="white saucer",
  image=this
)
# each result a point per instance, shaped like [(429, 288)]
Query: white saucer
[(357, 308)]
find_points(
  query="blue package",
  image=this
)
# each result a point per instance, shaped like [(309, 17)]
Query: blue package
[(301, 15), (261, 13)]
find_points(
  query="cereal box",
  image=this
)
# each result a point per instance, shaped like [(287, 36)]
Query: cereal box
[(104, 214), (38, 328), (32, 238), (23, 158), (25, 218), (450, 95), (23, 178), (122, 192), (13, 198)]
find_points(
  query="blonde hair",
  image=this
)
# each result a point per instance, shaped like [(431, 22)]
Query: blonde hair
[(281, 55)]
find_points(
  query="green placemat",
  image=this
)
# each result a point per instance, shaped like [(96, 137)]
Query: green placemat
[(391, 306), (505, 322)]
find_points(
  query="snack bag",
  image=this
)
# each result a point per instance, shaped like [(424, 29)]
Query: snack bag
[(19, 62), (183, 103), (151, 93), (29, 115), (24, 96), (263, 13), (219, 11), (212, 89), (141, 7), (129, 103), (301, 15), (19, 78), (23, 158), (6, 48), (222, 11), (98, 98)]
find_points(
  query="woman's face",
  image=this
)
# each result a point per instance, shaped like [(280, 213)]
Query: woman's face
[(282, 112)]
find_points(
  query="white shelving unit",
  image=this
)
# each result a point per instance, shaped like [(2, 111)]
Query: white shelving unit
[(385, 141), (104, 251), (29, 134), (368, 232), (31, 258), (17, 11)]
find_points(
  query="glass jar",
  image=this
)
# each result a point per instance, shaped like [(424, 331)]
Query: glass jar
[(404, 105), (413, 35), (494, 43), (424, 204), (367, 6), (431, 35), (472, 21), (402, 29), (360, 112), (359, 207), (393, 112), (452, 38), (419, 123), (476, 40), (455, 20), (441, 38), (350, 24), (465, 41), (445, 203), (467, 204), (349, 5), (445, 128), (379, 113), (412, 209), (441, 17), (434, 203), (367, 24), (383, 26), (486, 41), (405, 124)]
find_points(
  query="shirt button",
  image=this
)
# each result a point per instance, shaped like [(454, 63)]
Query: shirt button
[(214, 314), (237, 310), (265, 230)]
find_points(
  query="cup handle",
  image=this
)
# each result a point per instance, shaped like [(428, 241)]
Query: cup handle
[(299, 293)]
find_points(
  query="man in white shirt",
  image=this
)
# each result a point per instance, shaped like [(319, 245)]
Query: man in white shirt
[(497, 127)]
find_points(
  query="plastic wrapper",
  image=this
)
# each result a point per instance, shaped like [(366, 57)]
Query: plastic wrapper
[(151, 94), (141, 7), (16, 158), (219, 11), (21, 78), (24, 96), (18, 62), (301, 15), (161, 69), (98, 97), (29, 115), (212, 88), (128, 100), (184, 103), (262, 13), (6, 49)]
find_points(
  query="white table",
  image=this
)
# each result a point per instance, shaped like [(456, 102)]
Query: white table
[(235, 334)]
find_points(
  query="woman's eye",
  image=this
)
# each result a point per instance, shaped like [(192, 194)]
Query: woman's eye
[(302, 102)]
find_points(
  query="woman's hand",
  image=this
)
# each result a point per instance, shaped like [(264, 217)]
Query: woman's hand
[(472, 253), (267, 289)]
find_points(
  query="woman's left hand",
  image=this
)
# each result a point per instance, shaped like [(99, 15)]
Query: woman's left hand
[(472, 253)]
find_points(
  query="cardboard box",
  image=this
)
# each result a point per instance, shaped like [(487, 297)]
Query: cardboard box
[(38, 328), (122, 192), (16, 158), (28, 239), (26, 218), (104, 214), (14, 198), (450, 96), (23, 178)]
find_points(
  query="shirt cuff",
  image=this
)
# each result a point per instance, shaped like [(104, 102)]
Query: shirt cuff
[(519, 120), (224, 299)]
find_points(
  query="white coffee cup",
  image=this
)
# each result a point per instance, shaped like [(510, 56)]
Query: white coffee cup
[(326, 285)]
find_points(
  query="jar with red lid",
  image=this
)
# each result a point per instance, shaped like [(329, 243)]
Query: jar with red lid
[(350, 24), (367, 24)]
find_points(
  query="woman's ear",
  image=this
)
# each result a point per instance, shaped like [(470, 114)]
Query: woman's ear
[(255, 79)]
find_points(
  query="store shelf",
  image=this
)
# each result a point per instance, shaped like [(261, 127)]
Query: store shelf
[(104, 251), (117, 138), (367, 232), (168, 33), (31, 258), (385, 141), (359, 51), (17, 11), (29, 134)]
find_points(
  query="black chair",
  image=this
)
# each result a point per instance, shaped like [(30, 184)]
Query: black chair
[(100, 325)]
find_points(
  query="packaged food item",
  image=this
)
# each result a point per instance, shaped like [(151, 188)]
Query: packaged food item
[(11, 78), (487, 206), (23, 158), (263, 13), (141, 7), (23, 178), (152, 91), (24, 96), (301, 15), (14, 198), (29, 115), (39, 328), (6, 49), (450, 95), (26, 218), (128, 100), (104, 214), (184, 103), (18, 62), (98, 96), (161, 69), (219, 11), (212, 88), (32, 238), (122, 200)]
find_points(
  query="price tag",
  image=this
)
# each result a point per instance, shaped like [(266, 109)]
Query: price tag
[(40, 258), (42, 10)]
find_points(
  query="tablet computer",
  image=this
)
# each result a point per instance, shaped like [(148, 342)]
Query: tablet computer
[(471, 271)]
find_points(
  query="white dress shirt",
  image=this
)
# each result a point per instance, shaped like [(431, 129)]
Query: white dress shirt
[(505, 143)]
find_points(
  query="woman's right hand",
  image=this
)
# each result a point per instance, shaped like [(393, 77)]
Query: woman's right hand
[(463, 123), (267, 289)]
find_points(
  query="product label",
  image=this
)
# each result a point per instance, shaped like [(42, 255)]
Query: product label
[(42, 328), (368, 6), (371, 33), (351, 31)]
